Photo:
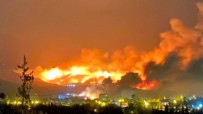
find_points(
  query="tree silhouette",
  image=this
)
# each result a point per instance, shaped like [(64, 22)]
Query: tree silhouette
[(27, 80), (2, 96)]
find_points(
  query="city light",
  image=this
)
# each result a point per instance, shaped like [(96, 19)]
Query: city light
[(146, 103), (174, 101)]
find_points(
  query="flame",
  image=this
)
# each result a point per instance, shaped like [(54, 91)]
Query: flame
[(93, 65), (53, 74), (76, 72), (147, 85)]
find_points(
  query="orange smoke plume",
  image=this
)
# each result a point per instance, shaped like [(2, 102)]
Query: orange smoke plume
[(147, 85), (94, 65)]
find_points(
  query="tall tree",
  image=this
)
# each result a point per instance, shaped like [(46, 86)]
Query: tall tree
[(2, 96), (27, 79)]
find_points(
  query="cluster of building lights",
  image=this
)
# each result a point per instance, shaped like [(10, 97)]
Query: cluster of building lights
[(176, 104), (71, 85)]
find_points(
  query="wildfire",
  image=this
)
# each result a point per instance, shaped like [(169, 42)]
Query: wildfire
[(147, 85), (93, 65), (53, 74), (79, 74)]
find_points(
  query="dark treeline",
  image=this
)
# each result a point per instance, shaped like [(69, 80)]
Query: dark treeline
[(85, 109), (54, 109)]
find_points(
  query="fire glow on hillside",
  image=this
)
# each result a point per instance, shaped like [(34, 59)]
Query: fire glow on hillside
[(93, 65)]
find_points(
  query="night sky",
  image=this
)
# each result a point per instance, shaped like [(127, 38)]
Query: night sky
[(50, 32)]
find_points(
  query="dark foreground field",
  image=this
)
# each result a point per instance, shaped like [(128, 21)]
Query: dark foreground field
[(85, 109)]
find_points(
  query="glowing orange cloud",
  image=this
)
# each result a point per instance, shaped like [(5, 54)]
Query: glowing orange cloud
[(94, 65)]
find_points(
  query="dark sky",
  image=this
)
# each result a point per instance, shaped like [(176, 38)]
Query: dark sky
[(52, 31)]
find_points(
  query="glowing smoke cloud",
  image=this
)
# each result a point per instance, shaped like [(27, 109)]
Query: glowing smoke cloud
[(93, 65)]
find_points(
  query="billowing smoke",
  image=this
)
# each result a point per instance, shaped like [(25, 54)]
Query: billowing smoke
[(123, 87), (177, 60), (182, 70), (129, 80), (93, 92)]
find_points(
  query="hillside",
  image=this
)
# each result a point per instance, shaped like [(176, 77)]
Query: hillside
[(40, 88)]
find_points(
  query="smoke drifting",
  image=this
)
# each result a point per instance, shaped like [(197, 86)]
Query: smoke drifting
[(178, 59), (181, 71)]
